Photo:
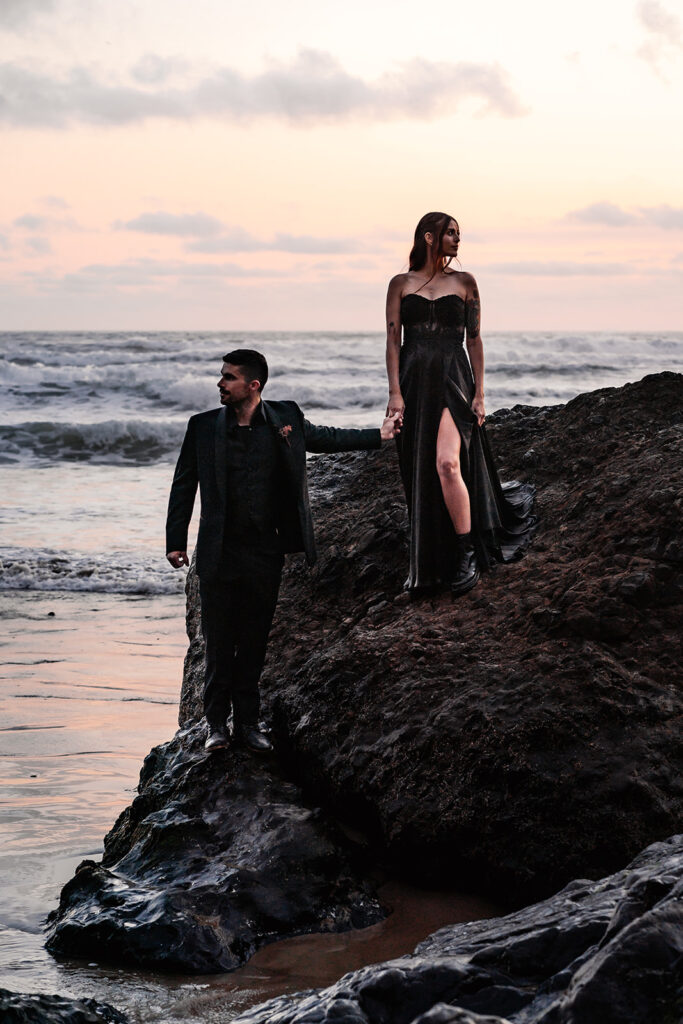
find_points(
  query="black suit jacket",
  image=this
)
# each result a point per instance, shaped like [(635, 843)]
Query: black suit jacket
[(202, 462)]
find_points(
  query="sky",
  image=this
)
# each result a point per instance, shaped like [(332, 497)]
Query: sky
[(199, 165)]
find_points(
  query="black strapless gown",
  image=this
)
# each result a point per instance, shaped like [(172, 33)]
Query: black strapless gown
[(435, 373)]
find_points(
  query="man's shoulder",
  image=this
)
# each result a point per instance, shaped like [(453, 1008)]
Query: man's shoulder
[(284, 408), (201, 418)]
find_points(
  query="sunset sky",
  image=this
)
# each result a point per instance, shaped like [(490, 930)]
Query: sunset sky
[(169, 164)]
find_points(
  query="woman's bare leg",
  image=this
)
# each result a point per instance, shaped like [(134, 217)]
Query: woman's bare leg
[(455, 492)]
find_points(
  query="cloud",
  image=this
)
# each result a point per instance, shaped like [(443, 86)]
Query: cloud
[(32, 99), (567, 268), (197, 225), (39, 246), (656, 19), (233, 239), (146, 274), (238, 240), (310, 244), (313, 87), (602, 213), (55, 203), (668, 217), (15, 13), (213, 236), (30, 222), (664, 33), (39, 222), (664, 216), (152, 69), (173, 268)]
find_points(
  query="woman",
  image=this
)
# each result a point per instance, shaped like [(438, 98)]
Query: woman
[(462, 520)]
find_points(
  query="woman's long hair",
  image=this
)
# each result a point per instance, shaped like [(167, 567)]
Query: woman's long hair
[(437, 224)]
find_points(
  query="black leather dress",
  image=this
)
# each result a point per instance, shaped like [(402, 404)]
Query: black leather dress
[(435, 373)]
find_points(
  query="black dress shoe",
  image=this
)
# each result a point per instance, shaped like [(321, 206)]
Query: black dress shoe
[(467, 575), (217, 739), (254, 739)]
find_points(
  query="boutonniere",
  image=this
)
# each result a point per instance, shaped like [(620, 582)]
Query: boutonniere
[(284, 433)]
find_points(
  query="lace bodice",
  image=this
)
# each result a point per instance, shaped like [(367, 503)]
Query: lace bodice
[(445, 316)]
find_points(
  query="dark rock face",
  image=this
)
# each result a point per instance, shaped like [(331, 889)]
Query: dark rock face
[(522, 736), (217, 856), (19, 1008), (527, 733), (608, 952)]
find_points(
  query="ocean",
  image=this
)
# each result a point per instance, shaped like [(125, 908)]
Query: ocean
[(93, 615)]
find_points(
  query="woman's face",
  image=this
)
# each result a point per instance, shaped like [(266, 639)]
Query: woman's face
[(451, 239)]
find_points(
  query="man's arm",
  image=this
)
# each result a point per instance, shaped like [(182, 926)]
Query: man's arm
[(181, 501), (340, 439)]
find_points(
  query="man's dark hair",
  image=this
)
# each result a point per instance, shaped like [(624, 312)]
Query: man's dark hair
[(252, 364)]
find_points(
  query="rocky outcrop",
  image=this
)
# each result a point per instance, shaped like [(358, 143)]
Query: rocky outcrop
[(608, 952), (528, 733), (216, 856), (523, 736), (20, 1008)]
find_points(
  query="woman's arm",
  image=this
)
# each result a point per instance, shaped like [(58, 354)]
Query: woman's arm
[(475, 346), (396, 403)]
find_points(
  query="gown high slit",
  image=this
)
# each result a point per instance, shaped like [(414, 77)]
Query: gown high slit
[(434, 374)]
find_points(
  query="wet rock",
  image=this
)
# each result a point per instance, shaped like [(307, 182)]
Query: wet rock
[(527, 733), (217, 856), (523, 736), (20, 1008), (606, 952), (443, 1014)]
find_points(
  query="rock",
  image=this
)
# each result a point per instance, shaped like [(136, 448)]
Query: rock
[(444, 1014), (523, 736), (217, 856), (542, 706), (19, 1008), (607, 952)]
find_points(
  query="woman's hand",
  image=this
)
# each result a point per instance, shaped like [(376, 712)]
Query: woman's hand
[(478, 409), (396, 405)]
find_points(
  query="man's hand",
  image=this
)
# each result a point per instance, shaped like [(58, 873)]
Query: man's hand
[(391, 426), (178, 558)]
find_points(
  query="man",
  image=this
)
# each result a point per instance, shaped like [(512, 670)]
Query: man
[(249, 460)]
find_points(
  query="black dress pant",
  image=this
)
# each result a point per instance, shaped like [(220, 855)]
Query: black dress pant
[(237, 611)]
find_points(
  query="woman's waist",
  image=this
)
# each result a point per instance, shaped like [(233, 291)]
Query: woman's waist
[(450, 338)]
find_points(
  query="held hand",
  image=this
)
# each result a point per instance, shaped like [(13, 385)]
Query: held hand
[(178, 558), (396, 405), (391, 426), (478, 410)]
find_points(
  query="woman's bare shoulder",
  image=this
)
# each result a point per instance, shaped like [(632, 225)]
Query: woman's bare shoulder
[(467, 280), (399, 282)]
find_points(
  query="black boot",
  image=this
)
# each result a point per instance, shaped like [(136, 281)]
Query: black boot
[(254, 739), (466, 568), (217, 737)]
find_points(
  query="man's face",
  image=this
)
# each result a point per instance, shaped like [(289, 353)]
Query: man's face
[(233, 386)]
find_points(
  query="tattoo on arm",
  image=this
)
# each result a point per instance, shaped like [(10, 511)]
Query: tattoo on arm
[(473, 314), (392, 324)]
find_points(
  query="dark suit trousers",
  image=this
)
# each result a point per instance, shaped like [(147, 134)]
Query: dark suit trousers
[(237, 611)]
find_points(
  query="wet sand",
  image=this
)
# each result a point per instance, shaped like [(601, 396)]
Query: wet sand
[(85, 693)]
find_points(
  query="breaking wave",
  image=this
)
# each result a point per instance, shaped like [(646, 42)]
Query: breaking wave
[(109, 441)]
